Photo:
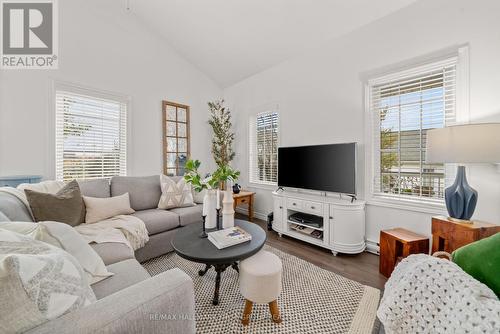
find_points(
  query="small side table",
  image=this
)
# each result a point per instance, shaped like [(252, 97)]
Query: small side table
[(398, 243), (448, 235), (244, 197)]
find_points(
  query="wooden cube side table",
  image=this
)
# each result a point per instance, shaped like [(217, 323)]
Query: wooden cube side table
[(398, 243), (244, 197), (448, 235)]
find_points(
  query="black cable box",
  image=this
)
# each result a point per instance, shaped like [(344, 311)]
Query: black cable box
[(306, 219)]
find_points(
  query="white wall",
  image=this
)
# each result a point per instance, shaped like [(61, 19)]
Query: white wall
[(105, 49), (320, 93)]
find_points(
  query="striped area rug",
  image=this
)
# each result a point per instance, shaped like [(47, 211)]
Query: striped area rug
[(313, 300)]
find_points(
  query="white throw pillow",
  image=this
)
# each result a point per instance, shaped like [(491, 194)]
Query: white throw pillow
[(103, 208), (175, 194), (38, 282), (65, 237)]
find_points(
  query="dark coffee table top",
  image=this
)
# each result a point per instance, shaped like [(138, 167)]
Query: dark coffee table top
[(189, 245)]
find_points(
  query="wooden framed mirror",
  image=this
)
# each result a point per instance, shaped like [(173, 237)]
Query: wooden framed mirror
[(176, 139)]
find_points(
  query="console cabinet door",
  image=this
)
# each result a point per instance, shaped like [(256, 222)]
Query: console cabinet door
[(278, 224)]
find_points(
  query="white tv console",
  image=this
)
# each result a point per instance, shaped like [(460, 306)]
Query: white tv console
[(343, 221)]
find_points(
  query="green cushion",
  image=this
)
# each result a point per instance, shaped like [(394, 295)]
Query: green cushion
[(481, 260)]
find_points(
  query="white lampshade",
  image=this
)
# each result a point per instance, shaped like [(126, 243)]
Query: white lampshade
[(472, 143)]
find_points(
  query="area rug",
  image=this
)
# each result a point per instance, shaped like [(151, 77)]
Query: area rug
[(313, 300)]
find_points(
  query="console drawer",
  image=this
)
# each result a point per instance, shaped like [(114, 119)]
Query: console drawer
[(294, 204), (313, 207)]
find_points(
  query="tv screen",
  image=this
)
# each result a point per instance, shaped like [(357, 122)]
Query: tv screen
[(321, 167)]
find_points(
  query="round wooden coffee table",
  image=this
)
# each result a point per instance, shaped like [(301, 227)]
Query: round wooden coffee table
[(188, 245)]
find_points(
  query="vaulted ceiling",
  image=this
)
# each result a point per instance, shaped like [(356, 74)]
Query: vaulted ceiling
[(231, 40)]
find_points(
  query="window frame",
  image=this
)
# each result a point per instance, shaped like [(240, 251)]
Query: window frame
[(460, 57), (74, 88), (251, 146), (165, 136)]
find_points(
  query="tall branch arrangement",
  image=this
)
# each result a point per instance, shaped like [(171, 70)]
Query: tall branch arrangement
[(223, 137)]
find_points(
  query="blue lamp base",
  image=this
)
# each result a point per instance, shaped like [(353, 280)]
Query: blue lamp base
[(460, 198)]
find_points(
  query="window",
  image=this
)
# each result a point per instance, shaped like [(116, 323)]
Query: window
[(403, 107), (264, 148), (91, 134), (175, 138)]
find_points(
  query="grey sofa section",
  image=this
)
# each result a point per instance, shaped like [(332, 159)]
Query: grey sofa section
[(189, 215), (95, 188), (144, 191), (126, 273), (136, 309), (157, 245), (111, 252), (3, 218), (157, 220), (130, 301)]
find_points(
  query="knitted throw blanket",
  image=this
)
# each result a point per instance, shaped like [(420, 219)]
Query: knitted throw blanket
[(430, 295)]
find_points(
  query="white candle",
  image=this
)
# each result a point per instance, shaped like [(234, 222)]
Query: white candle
[(205, 205), (218, 198)]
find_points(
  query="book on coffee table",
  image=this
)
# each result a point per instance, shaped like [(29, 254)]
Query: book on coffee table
[(229, 237)]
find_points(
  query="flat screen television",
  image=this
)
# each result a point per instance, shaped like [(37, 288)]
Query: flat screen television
[(329, 167)]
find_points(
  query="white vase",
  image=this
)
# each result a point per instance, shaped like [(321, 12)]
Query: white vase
[(209, 202), (227, 209)]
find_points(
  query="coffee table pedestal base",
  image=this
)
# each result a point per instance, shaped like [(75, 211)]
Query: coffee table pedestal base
[(219, 269)]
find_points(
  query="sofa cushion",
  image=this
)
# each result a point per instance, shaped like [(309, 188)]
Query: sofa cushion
[(103, 208), (113, 252), (13, 208), (66, 206), (190, 214), (157, 220), (126, 273), (95, 188), (144, 191)]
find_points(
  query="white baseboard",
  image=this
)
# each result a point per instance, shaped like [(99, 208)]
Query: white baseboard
[(256, 214), (372, 247)]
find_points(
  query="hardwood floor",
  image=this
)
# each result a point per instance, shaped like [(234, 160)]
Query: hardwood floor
[(362, 267)]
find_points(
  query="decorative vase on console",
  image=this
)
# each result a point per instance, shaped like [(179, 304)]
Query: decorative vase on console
[(209, 202), (227, 209)]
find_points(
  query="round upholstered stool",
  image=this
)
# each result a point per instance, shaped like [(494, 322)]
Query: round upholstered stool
[(260, 282)]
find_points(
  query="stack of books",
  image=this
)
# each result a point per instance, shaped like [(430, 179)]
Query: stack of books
[(307, 230), (229, 237)]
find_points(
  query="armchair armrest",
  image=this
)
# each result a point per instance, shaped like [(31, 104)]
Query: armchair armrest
[(160, 304)]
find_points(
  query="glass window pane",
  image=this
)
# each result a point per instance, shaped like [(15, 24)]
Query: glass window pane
[(182, 163), (171, 172), (171, 113), (171, 130), (182, 129), (182, 144), (171, 144), (181, 115), (171, 160)]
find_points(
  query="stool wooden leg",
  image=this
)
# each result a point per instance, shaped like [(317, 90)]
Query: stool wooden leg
[(247, 312), (275, 312)]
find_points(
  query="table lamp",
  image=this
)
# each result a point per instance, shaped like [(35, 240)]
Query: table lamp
[(471, 143)]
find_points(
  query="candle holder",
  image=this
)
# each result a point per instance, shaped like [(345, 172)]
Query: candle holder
[(218, 218), (203, 233)]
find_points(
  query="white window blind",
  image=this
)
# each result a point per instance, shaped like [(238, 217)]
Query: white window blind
[(404, 106), (263, 157), (91, 135)]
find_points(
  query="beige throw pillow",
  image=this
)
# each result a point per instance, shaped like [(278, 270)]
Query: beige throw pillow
[(38, 282), (66, 206), (103, 208), (175, 194)]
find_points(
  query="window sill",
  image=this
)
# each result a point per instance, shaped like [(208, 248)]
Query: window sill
[(434, 208)]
